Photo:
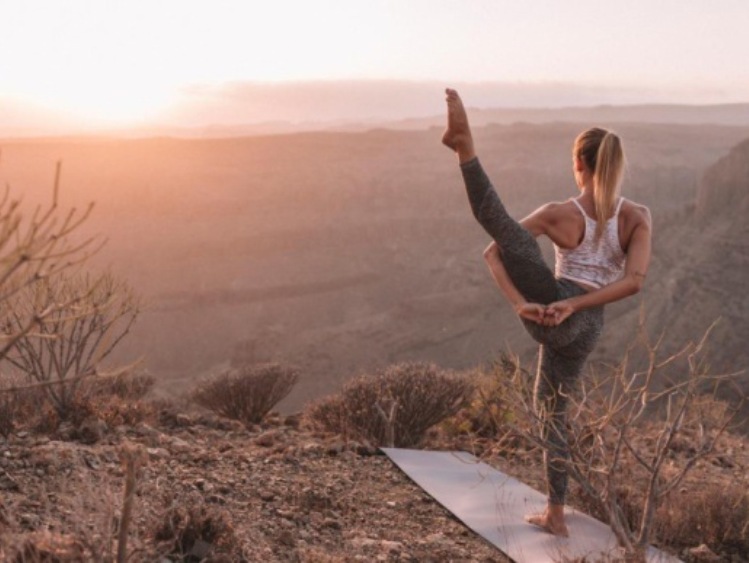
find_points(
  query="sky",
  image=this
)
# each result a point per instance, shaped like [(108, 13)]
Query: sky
[(131, 62)]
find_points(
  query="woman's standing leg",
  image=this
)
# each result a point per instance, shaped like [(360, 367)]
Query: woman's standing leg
[(559, 370)]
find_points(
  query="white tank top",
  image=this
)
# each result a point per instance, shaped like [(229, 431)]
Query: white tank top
[(593, 262)]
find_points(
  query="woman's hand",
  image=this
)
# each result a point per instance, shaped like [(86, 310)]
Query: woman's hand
[(556, 313), (531, 311)]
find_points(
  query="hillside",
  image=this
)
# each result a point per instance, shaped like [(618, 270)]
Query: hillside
[(344, 252), (702, 264)]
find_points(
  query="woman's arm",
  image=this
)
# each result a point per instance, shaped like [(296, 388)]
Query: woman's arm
[(531, 311), (638, 260)]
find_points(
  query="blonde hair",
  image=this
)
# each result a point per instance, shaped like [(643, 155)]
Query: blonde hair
[(602, 153)]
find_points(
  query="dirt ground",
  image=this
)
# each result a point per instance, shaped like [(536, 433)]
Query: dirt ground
[(212, 490)]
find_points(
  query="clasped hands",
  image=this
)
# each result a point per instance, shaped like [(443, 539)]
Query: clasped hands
[(552, 314)]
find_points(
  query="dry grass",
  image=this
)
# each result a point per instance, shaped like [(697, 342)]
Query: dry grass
[(490, 409), (247, 393), (17, 404), (713, 514), (194, 531), (395, 407)]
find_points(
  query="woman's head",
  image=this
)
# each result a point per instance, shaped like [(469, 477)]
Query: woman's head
[(600, 154)]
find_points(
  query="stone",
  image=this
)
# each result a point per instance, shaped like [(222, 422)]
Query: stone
[(267, 439), (7, 483), (158, 453), (332, 523), (703, 554), (92, 430)]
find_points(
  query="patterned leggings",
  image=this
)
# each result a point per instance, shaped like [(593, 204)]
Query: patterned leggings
[(564, 348)]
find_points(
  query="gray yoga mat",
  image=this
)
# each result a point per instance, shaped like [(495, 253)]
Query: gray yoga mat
[(494, 506)]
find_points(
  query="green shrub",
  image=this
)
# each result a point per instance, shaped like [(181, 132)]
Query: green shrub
[(394, 407)]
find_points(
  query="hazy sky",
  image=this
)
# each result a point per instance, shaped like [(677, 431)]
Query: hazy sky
[(132, 60)]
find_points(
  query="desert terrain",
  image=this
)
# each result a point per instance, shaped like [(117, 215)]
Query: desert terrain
[(343, 252)]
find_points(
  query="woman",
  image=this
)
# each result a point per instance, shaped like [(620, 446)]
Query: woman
[(602, 244)]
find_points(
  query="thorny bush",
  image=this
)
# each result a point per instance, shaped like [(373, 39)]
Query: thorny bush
[(246, 393), (394, 407)]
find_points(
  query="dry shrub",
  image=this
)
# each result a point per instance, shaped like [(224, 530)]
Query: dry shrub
[(18, 403), (246, 393), (394, 407), (49, 547), (130, 386), (80, 320), (490, 409), (117, 400), (195, 531), (713, 514)]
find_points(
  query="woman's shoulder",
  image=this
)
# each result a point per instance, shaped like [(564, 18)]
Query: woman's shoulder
[(634, 209), (558, 208), (635, 213)]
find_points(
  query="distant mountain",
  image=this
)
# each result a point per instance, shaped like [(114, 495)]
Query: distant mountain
[(701, 268), (724, 189), (726, 114)]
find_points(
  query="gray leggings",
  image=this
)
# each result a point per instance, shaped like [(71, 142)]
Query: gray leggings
[(564, 348)]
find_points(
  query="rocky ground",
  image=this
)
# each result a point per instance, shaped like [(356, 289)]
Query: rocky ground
[(270, 493), (212, 490)]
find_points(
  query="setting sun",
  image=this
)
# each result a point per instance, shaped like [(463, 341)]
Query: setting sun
[(110, 63)]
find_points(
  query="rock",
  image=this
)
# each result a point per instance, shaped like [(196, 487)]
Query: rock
[(360, 543), (201, 549), (266, 496), (392, 546), (28, 520), (65, 431), (158, 453), (183, 420), (146, 431), (92, 461), (7, 483), (365, 449), (312, 448), (286, 538), (268, 438), (92, 430), (293, 420), (335, 448), (203, 485), (178, 445), (332, 523), (703, 554)]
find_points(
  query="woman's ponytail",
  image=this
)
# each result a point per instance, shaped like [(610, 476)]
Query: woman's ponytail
[(601, 152), (607, 177)]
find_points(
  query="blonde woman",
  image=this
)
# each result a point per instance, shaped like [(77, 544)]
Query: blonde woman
[(602, 244)]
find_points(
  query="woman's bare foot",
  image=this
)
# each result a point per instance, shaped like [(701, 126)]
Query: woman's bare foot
[(551, 520), (458, 136)]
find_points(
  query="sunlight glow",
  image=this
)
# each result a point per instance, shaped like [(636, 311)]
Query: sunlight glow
[(129, 62), (117, 62)]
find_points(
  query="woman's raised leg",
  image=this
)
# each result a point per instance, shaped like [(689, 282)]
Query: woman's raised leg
[(520, 252)]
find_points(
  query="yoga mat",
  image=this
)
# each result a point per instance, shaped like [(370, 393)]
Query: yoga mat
[(494, 505)]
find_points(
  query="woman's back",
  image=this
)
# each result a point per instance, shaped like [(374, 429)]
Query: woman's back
[(565, 225)]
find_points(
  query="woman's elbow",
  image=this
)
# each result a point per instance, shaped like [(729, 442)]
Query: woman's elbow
[(491, 252), (635, 283)]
